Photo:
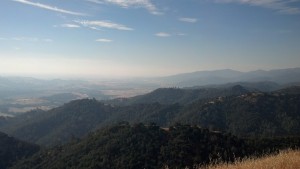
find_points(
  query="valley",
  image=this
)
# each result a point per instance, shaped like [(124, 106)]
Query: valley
[(22, 94), (170, 126)]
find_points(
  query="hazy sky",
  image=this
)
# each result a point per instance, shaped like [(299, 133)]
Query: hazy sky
[(146, 37)]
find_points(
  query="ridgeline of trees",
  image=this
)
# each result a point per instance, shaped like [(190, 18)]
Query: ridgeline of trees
[(140, 146), (149, 146), (248, 115), (181, 96), (58, 125), (12, 150), (254, 114)]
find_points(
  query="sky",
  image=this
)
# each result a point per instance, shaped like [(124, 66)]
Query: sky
[(146, 38)]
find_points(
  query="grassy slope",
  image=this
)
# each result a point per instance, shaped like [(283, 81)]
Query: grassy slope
[(284, 160)]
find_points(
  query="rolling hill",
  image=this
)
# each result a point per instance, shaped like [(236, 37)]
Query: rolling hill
[(12, 150), (58, 125), (182, 96), (140, 146), (248, 114), (150, 146)]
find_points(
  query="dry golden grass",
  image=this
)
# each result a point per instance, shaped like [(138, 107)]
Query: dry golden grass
[(284, 160)]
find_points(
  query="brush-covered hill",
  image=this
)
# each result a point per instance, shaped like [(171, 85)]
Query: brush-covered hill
[(12, 149), (77, 118), (289, 90), (191, 94), (263, 86), (140, 146), (58, 125), (283, 160), (181, 95), (253, 114)]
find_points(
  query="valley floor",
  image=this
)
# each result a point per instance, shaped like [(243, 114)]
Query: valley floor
[(284, 160)]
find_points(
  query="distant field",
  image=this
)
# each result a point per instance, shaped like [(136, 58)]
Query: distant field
[(284, 160)]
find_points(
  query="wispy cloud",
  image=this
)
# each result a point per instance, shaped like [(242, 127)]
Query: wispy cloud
[(162, 34), (70, 26), (189, 20), (95, 28), (283, 6), (95, 1), (181, 34), (27, 39), (103, 24), (147, 4), (104, 40), (49, 7)]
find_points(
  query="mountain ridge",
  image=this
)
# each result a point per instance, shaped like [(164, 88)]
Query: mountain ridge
[(245, 114), (12, 150), (199, 78)]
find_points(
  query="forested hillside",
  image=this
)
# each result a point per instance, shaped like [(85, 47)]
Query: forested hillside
[(59, 125), (149, 146), (12, 150), (289, 90), (254, 114), (182, 96), (140, 146)]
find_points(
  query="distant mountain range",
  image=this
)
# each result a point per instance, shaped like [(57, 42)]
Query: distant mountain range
[(20, 87), (200, 78), (21, 94), (11, 87)]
